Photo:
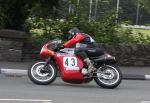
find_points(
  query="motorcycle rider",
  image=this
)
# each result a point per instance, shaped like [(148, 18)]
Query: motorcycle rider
[(85, 47)]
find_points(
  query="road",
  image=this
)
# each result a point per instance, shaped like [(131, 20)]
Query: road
[(22, 90), (26, 65)]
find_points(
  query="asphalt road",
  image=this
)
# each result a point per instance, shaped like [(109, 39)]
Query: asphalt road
[(22, 90), (26, 65)]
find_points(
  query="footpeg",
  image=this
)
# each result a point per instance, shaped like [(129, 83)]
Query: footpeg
[(84, 71)]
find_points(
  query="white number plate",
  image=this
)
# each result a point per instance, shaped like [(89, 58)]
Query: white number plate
[(70, 63)]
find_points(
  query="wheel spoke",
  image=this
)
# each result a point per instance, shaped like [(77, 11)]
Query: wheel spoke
[(107, 75), (39, 75)]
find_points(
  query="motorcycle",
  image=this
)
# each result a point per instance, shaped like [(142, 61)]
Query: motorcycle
[(72, 69)]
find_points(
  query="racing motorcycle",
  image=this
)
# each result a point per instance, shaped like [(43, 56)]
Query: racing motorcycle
[(72, 69)]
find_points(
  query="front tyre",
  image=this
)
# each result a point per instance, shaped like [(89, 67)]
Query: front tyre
[(38, 76), (108, 76)]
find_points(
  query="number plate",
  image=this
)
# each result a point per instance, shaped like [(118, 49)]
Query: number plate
[(70, 63)]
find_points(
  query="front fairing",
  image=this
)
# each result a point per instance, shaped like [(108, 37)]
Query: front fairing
[(45, 52), (48, 49), (70, 66)]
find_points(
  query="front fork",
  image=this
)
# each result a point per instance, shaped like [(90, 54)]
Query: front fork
[(46, 62), (45, 69)]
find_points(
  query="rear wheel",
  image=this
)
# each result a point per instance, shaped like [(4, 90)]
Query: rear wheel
[(38, 75), (108, 76)]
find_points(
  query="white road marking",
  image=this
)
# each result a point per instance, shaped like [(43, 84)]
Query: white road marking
[(145, 101), (147, 77), (27, 100), (14, 71)]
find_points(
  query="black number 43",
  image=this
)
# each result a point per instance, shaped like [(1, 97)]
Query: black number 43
[(72, 62)]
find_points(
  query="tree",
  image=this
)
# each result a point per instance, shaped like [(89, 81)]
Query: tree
[(146, 4), (128, 11), (44, 8), (13, 13)]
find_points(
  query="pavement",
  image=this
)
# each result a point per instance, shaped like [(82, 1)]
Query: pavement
[(15, 65), (140, 73)]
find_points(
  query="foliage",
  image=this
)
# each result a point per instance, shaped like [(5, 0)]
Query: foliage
[(13, 13), (141, 36), (146, 4), (44, 8), (41, 30), (128, 11), (44, 30), (128, 35), (103, 29), (48, 19)]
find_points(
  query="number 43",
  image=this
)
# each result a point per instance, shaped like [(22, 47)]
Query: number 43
[(69, 61)]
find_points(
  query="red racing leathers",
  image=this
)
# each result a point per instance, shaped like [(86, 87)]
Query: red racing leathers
[(92, 49), (75, 39), (85, 52)]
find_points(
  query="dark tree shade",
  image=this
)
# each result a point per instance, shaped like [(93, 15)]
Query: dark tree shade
[(13, 13)]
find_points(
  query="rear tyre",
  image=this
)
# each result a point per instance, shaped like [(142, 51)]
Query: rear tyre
[(37, 76), (108, 76)]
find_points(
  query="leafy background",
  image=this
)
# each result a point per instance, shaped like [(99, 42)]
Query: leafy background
[(44, 20)]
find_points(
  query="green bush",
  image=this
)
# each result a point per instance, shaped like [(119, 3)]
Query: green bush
[(105, 31), (138, 36), (41, 30)]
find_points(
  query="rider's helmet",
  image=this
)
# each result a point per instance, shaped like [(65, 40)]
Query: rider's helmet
[(73, 32)]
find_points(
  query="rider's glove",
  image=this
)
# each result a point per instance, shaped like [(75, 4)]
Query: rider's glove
[(59, 47)]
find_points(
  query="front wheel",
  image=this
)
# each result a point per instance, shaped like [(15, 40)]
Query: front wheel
[(38, 75), (108, 76)]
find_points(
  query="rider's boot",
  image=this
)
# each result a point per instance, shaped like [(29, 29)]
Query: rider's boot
[(90, 65)]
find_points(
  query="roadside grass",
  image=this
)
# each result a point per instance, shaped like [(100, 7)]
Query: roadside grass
[(132, 35), (141, 31), (141, 35)]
